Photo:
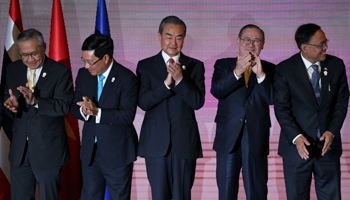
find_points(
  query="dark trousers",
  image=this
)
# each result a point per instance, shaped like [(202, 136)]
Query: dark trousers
[(25, 177), (170, 177), (96, 176), (326, 171), (254, 171)]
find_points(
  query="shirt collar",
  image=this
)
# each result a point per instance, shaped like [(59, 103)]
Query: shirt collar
[(166, 57), (106, 73), (308, 63)]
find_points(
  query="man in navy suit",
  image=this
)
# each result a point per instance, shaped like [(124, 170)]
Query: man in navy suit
[(172, 87), (243, 86), (105, 99), (311, 102), (38, 94)]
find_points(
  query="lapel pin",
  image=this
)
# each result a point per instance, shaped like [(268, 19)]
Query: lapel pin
[(325, 72), (44, 74), (113, 80), (183, 67)]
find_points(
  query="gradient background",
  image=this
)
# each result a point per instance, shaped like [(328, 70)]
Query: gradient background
[(212, 30)]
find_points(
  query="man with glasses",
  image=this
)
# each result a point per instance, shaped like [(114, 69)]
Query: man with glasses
[(311, 101), (39, 93), (105, 99), (243, 86)]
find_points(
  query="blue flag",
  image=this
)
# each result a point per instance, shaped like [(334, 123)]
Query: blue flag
[(102, 27), (102, 24)]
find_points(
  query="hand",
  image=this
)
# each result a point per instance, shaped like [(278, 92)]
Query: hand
[(88, 107), (300, 143), (175, 71), (328, 138), (27, 94), (11, 103), (243, 62), (257, 69), (169, 80)]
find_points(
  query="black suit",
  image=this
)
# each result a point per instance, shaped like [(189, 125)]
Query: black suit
[(170, 126), (298, 112), (243, 125), (39, 134), (116, 136)]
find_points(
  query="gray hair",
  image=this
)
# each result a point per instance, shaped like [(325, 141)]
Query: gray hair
[(171, 20), (30, 34)]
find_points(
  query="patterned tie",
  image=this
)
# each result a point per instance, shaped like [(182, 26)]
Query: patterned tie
[(315, 81), (171, 61), (247, 73), (100, 86), (31, 80)]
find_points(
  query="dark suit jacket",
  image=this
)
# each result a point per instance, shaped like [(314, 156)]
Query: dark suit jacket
[(170, 118), (117, 138), (45, 126), (238, 104), (296, 107)]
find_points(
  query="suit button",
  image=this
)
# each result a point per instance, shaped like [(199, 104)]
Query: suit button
[(246, 104), (241, 120), (93, 137)]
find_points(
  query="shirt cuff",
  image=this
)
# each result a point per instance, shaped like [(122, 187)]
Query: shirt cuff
[(167, 86), (261, 79), (98, 117), (237, 77), (86, 117), (296, 138)]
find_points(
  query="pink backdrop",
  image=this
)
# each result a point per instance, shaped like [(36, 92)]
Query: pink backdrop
[(212, 33)]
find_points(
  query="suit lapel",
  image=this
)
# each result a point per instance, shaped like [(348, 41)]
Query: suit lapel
[(325, 74), (302, 75), (44, 75), (109, 84), (159, 66)]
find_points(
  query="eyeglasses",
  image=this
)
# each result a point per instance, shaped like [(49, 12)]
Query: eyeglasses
[(321, 45), (34, 55), (87, 62), (247, 41)]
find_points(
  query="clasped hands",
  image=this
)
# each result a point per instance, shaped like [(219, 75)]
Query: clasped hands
[(249, 60), (12, 103), (301, 142), (174, 73), (88, 107)]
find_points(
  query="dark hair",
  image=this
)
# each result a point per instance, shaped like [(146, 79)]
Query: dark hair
[(171, 20), (30, 34), (102, 45), (251, 26), (305, 32)]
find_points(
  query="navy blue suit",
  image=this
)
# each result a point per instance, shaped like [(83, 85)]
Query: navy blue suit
[(170, 124), (39, 142), (116, 136), (298, 112), (242, 131)]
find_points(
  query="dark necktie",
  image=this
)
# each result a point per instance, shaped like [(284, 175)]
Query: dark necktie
[(315, 81)]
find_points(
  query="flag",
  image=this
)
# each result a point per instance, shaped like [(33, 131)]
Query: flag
[(102, 27), (11, 53), (71, 176)]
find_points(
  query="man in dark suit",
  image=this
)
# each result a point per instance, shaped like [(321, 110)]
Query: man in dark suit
[(172, 87), (105, 99), (243, 119), (39, 92), (311, 101)]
